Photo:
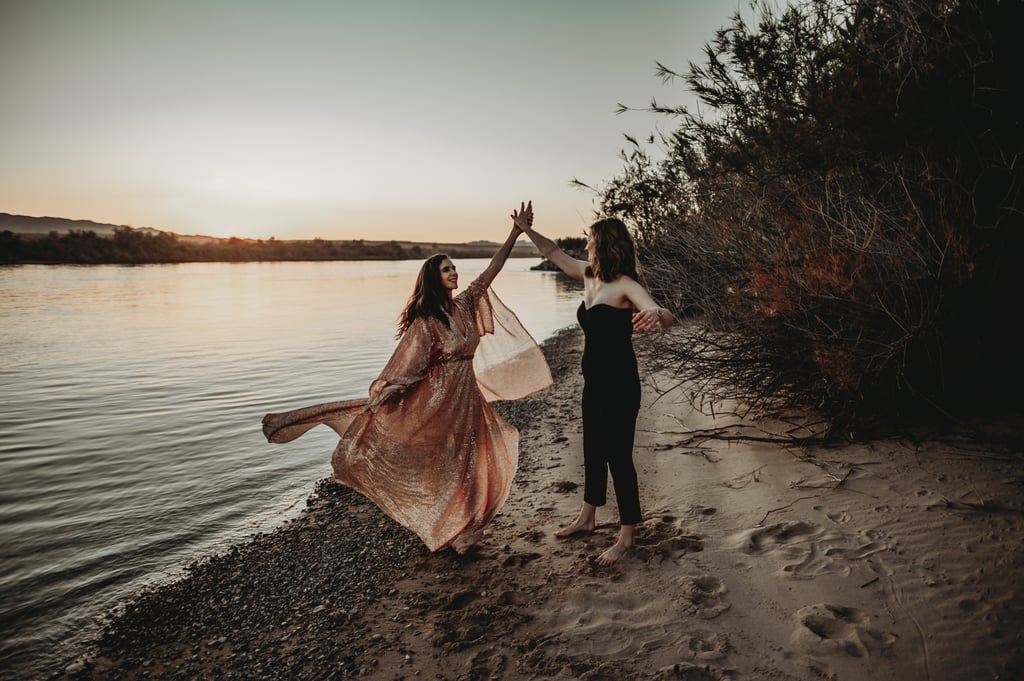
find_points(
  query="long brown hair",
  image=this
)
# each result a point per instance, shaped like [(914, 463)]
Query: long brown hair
[(429, 297), (614, 250)]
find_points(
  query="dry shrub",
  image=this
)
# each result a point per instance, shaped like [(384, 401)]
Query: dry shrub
[(843, 222)]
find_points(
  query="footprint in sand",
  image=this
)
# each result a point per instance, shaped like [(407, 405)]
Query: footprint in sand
[(858, 552), (665, 538), (519, 559), (679, 546), (704, 645), (769, 538), (696, 513), (486, 665), (705, 596), (838, 518), (532, 536), (810, 550), (460, 599), (834, 628)]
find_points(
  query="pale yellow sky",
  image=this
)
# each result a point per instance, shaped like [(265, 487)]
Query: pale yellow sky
[(374, 119)]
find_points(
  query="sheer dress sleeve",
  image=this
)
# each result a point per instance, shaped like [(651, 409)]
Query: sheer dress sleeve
[(408, 364), (509, 364)]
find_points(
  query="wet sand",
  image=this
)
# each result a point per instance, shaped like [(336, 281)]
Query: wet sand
[(892, 560)]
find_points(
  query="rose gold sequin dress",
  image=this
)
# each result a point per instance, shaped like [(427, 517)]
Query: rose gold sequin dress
[(435, 456)]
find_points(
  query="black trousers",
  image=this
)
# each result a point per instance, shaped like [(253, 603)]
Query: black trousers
[(610, 408)]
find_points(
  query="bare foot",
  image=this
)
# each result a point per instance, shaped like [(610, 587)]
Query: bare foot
[(464, 542), (613, 554), (578, 526)]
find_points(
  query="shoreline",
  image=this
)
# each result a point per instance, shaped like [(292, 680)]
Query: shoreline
[(209, 599), (891, 560)]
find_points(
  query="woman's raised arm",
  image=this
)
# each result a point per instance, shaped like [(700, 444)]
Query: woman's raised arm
[(549, 249), (499, 258)]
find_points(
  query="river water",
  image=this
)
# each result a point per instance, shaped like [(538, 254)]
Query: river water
[(130, 407)]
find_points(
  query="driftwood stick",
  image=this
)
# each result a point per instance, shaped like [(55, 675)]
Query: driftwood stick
[(760, 523)]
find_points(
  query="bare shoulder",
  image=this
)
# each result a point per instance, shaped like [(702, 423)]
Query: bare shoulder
[(635, 292), (627, 284)]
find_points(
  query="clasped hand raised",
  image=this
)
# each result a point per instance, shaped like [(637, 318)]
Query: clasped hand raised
[(523, 218)]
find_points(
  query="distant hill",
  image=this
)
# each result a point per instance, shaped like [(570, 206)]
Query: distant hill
[(49, 239), (27, 226)]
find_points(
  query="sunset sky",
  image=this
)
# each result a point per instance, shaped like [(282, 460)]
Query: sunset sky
[(425, 120)]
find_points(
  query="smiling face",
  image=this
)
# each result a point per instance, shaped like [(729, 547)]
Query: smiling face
[(449, 276)]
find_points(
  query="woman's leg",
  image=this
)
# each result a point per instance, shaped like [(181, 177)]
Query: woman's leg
[(619, 447), (595, 470), (624, 543), (595, 435), (585, 522), (620, 461)]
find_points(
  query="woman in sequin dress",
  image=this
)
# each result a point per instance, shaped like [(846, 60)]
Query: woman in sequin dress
[(614, 305), (426, 446)]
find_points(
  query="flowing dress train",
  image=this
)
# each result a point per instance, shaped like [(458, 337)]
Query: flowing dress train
[(426, 446)]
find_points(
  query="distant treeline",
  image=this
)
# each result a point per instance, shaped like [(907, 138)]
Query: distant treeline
[(575, 246), (129, 246)]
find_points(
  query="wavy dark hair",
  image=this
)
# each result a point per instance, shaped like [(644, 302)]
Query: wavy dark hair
[(429, 297), (614, 250)]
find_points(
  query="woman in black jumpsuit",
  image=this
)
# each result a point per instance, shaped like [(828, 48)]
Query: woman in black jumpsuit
[(611, 401), (614, 305)]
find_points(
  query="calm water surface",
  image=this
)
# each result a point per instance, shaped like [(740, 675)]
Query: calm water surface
[(130, 407)]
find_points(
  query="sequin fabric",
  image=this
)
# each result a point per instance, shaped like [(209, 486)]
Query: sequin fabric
[(426, 446)]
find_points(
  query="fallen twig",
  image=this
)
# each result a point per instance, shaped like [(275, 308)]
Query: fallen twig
[(783, 508), (754, 475)]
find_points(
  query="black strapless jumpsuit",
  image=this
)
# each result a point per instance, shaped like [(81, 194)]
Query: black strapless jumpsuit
[(611, 402)]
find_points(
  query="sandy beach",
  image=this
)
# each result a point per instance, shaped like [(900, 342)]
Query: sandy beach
[(899, 559)]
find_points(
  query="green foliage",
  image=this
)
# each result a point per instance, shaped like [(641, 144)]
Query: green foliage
[(845, 216), (572, 244), (576, 246)]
